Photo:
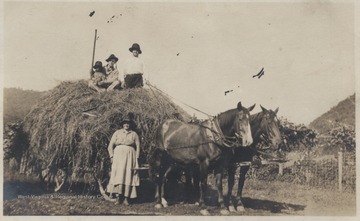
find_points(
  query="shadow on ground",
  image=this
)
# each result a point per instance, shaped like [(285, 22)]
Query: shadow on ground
[(272, 206), (18, 189), (15, 189)]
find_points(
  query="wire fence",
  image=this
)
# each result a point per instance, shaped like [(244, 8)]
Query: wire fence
[(336, 171)]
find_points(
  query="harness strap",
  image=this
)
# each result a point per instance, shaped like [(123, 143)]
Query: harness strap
[(214, 134), (224, 140), (188, 146)]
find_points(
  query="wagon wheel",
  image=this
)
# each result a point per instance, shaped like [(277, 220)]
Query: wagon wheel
[(49, 178), (101, 188), (60, 178)]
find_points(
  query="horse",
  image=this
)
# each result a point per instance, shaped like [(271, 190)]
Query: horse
[(195, 147), (266, 142)]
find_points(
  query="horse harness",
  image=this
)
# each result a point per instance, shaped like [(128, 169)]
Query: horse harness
[(215, 135)]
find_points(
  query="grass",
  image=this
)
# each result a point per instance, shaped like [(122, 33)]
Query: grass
[(261, 198)]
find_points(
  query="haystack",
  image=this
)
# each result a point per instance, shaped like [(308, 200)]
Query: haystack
[(70, 128)]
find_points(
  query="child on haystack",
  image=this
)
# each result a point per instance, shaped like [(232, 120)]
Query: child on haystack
[(97, 77), (105, 78)]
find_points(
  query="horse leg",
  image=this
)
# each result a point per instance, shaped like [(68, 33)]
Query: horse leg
[(156, 174), (164, 203), (158, 192), (240, 205), (218, 181), (203, 179), (160, 188), (188, 185), (196, 180), (231, 181), (203, 175)]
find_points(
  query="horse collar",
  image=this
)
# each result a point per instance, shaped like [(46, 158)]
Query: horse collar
[(220, 138)]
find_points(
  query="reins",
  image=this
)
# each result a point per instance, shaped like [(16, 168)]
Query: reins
[(152, 86), (224, 140)]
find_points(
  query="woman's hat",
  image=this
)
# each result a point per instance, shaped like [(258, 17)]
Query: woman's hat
[(125, 120), (112, 56), (129, 118), (135, 46), (98, 64), (131, 123)]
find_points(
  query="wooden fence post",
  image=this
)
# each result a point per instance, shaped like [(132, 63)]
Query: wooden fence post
[(340, 162)]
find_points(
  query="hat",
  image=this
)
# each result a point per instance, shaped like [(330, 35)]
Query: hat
[(131, 123), (125, 120), (112, 56), (98, 64), (135, 46)]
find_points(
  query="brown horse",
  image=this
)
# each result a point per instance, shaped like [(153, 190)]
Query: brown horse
[(197, 146), (267, 138)]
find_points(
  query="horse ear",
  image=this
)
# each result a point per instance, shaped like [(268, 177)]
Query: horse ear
[(252, 107), (276, 110), (239, 106), (263, 109)]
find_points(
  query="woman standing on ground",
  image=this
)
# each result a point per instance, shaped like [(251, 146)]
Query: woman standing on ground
[(124, 151)]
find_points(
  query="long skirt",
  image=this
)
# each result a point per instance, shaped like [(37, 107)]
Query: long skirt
[(123, 180)]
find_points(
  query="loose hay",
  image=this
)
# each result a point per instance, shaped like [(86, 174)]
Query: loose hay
[(72, 125)]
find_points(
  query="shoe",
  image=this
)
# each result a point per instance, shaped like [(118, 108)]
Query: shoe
[(126, 203), (113, 200)]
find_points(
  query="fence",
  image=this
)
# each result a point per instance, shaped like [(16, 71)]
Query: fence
[(331, 171)]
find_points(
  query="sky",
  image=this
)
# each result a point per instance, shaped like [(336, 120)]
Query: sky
[(193, 51)]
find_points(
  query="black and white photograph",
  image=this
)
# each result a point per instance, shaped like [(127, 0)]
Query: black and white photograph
[(199, 109)]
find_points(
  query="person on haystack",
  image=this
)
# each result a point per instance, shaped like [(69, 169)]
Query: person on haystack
[(124, 151), (105, 78), (112, 73), (134, 69), (97, 77)]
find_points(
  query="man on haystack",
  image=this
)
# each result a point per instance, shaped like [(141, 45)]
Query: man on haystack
[(109, 81), (134, 69)]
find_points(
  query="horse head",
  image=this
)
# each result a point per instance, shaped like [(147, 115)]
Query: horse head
[(266, 133), (236, 123)]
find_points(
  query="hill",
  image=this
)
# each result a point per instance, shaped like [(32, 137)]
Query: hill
[(18, 103), (341, 114)]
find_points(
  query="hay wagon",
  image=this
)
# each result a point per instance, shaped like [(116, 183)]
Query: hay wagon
[(67, 132)]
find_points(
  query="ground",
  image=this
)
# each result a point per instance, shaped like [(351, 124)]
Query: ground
[(260, 199)]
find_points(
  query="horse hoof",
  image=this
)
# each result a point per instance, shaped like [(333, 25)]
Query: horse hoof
[(164, 202), (240, 209), (224, 212), (232, 209), (197, 204), (204, 212), (158, 206)]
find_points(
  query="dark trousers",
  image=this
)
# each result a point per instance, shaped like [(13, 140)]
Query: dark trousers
[(133, 81)]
